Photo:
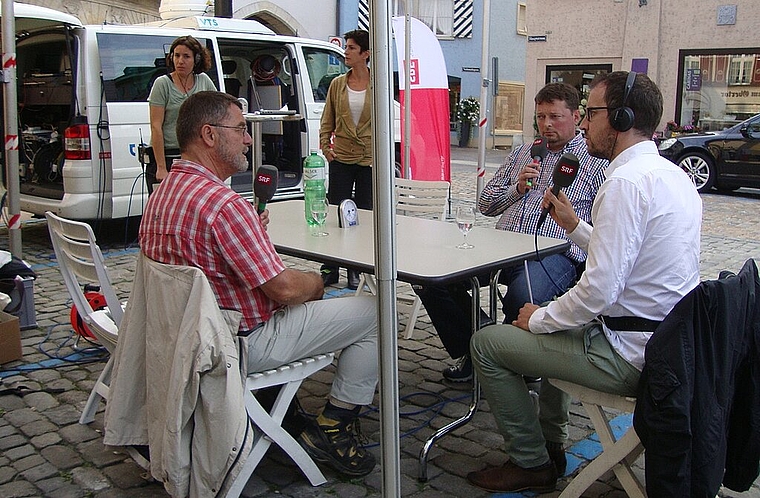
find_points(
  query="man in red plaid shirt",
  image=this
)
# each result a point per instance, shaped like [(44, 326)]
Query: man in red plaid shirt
[(195, 219)]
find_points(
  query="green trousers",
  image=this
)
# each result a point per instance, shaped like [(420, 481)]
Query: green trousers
[(502, 354)]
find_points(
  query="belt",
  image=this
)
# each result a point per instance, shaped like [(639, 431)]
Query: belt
[(630, 323)]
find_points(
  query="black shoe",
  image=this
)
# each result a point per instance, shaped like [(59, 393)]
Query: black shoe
[(461, 372), (338, 446), (329, 276), (557, 456), (353, 279)]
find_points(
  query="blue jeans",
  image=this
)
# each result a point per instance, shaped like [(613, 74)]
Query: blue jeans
[(449, 306)]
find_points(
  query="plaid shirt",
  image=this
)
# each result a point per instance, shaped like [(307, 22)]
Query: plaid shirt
[(520, 213), (195, 219)]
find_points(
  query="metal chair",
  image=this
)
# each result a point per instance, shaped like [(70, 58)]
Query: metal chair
[(81, 263), (416, 198), (617, 454)]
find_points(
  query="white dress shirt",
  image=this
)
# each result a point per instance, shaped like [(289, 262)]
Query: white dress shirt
[(643, 250)]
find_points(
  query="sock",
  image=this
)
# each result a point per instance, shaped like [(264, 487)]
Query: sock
[(333, 415)]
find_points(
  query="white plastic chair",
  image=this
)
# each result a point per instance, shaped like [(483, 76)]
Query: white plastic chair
[(81, 262), (290, 377), (617, 454), (415, 198)]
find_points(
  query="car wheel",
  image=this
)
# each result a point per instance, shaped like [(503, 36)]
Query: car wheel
[(700, 169)]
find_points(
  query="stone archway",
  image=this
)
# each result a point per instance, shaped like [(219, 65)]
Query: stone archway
[(273, 17)]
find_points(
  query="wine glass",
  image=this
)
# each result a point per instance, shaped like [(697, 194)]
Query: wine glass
[(319, 215), (465, 220)]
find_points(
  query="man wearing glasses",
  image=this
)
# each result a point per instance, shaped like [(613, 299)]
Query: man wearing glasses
[(595, 334), (194, 219), (515, 193)]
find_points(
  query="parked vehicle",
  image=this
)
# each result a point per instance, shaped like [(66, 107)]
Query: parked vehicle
[(727, 159), (83, 110)]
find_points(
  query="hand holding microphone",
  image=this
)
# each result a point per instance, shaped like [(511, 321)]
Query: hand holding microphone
[(264, 186), (565, 172), (538, 152)]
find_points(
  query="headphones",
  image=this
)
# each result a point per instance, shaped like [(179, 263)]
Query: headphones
[(622, 118)]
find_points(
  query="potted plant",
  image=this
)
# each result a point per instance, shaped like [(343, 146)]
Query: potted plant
[(468, 113)]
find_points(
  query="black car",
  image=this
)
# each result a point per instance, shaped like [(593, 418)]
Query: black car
[(726, 159)]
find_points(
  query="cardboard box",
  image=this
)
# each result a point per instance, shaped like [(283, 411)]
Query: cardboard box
[(10, 338)]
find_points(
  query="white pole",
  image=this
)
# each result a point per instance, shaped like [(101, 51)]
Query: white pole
[(11, 127), (483, 121), (385, 245)]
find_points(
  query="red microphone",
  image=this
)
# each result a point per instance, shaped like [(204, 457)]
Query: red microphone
[(565, 172), (538, 152)]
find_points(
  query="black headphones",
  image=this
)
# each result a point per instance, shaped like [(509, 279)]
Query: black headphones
[(622, 118)]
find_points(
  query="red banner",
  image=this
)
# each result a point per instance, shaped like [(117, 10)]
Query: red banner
[(430, 148)]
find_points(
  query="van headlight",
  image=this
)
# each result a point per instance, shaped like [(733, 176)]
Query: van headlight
[(668, 143)]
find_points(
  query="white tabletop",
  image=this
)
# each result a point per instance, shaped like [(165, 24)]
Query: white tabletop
[(426, 249)]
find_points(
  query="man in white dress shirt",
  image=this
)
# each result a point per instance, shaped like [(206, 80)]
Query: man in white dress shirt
[(643, 257)]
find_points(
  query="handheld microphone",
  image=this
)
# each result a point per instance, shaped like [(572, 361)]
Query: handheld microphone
[(265, 185), (538, 152), (565, 172)]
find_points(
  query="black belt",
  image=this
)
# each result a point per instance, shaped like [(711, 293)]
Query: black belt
[(630, 323)]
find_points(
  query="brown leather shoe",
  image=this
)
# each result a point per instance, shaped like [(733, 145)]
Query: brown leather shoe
[(510, 478)]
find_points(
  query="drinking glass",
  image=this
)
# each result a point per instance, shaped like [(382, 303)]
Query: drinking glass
[(465, 220), (319, 215)]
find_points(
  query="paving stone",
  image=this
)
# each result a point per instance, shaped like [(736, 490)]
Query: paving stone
[(44, 440), (126, 475), (63, 415), (18, 489), (41, 401), (78, 433), (38, 472), (38, 427), (98, 454), (28, 462), (7, 473), (23, 416), (52, 483), (20, 452), (12, 441), (90, 478), (63, 457)]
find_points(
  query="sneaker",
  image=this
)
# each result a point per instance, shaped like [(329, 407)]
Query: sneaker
[(353, 279), (338, 447), (461, 372), (329, 276)]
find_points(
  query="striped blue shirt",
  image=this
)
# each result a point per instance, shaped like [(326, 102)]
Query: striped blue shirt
[(520, 213)]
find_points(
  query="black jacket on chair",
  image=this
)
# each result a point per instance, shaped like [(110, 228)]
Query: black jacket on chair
[(698, 408)]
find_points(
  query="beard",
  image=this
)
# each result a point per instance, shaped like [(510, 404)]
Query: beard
[(601, 147), (236, 159)]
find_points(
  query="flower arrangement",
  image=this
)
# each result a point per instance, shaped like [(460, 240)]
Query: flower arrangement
[(673, 127), (468, 110)]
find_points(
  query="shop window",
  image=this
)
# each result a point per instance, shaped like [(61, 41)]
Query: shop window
[(437, 14)]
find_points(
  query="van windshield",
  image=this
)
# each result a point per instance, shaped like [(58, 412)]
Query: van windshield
[(131, 63), (323, 67)]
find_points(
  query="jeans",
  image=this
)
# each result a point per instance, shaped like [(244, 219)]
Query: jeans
[(449, 307), (503, 354)]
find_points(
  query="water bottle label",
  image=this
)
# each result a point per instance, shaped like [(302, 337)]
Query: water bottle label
[(310, 174)]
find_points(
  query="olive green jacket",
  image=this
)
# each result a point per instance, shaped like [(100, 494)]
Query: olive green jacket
[(351, 144)]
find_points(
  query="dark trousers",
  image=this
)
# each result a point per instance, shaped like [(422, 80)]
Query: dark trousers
[(151, 168), (349, 181)]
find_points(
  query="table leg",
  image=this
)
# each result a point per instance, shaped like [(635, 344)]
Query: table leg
[(475, 399)]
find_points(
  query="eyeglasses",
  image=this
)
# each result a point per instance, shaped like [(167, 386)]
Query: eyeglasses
[(241, 128), (591, 110)]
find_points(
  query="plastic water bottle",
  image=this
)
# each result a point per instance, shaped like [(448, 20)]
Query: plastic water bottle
[(314, 183)]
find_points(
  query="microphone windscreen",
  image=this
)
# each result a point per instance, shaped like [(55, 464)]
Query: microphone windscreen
[(265, 184), (538, 150), (565, 171)]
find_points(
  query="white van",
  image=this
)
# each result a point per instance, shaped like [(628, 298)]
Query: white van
[(83, 111)]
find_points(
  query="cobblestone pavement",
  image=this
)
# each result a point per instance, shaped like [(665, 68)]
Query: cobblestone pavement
[(45, 452)]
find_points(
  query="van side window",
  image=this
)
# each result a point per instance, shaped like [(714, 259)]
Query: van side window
[(323, 66), (131, 63)]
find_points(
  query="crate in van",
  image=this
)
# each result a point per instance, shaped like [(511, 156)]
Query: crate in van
[(83, 109)]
